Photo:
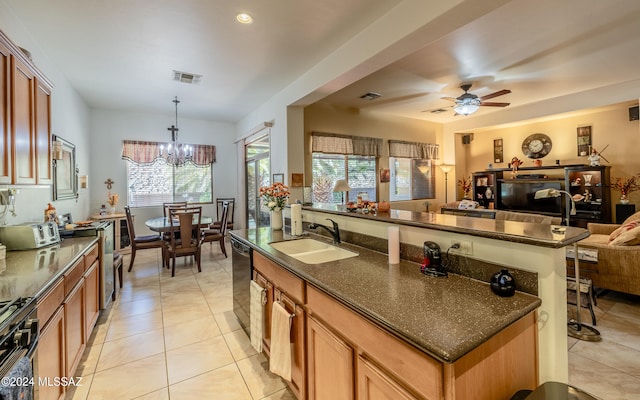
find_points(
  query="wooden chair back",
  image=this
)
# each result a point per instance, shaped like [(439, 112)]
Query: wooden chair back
[(231, 201), (175, 204), (132, 233), (187, 221)]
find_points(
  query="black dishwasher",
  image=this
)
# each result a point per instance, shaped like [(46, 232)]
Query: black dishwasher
[(242, 271)]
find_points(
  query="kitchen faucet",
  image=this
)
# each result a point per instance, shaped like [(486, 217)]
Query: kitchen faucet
[(335, 232)]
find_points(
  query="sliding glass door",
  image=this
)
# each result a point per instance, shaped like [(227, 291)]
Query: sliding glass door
[(258, 172)]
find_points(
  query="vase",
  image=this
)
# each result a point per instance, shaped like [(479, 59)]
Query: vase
[(113, 210), (502, 283), (624, 200), (276, 220)]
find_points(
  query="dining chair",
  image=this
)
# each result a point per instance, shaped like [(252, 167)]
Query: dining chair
[(219, 203), (212, 234), (141, 242), (186, 221), (166, 206)]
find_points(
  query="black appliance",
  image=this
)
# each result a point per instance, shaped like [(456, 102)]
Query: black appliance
[(432, 264), (18, 348), (242, 271)]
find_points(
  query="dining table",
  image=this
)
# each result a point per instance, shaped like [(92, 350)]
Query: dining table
[(163, 224)]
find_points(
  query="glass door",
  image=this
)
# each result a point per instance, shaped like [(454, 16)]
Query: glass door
[(258, 172)]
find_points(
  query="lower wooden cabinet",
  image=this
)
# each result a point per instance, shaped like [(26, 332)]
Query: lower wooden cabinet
[(375, 384), (74, 327), (92, 297), (51, 356), (330, 364)]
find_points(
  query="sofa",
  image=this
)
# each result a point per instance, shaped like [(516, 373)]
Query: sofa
[(501, 215), (617, 247)]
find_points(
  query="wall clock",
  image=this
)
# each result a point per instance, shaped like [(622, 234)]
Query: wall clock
[(536, 145)]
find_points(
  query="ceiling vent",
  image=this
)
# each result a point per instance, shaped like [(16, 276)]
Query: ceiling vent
[(438, 111), (370, 96), (186, 77)]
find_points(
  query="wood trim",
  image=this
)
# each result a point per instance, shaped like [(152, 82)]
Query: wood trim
[(293, 286), (49, 303)]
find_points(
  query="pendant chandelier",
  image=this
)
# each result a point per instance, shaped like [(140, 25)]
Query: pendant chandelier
[(176, 153)]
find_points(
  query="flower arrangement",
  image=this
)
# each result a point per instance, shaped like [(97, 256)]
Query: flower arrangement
[(624, 186), (465, 184), (112, 199), (275, 197)]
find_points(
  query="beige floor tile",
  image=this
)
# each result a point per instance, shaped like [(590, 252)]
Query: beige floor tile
[(612, 354), (227, 321), (197, 358), (239, 344), (190, 332), (99, 332), (620, 329), (260, 381), (136, 307), (89, 360), (131, 380), (81, 390), (284, 394), (600, 380), (220, 304), (131, 348), (173, 315), (225, 383), (162, 394), (133, 325), (133, 294)]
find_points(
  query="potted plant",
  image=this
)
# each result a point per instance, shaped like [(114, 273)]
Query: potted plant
[(625, 187), (275, 197), (465, 184)]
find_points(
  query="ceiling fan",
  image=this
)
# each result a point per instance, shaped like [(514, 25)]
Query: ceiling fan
[(468, 103)]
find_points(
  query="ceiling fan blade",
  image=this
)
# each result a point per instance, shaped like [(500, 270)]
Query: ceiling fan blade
[(449, 98), (495, 94), (492, 104)]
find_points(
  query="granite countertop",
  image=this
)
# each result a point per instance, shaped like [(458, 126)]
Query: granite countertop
[(444, 317), (28, 273), (510, 231)]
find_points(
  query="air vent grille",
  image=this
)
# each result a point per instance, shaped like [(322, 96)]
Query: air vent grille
[(186, 77), (370, 96)]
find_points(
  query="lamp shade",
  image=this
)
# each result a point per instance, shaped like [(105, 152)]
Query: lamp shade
[(341, 186), (446, 168)]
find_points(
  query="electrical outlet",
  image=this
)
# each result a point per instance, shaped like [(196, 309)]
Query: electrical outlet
[(466, 247)]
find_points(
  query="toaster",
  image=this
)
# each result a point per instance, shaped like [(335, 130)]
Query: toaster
[(29, 236)]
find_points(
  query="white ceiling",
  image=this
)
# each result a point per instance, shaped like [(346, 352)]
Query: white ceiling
[(121, 53)]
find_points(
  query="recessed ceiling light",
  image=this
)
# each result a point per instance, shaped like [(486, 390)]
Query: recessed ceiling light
[(244, 18)]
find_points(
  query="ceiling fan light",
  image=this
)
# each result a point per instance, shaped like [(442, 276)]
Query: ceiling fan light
[(466, 109)]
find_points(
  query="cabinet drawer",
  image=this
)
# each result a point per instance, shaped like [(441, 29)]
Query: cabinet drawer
[(49, 303), (73, 275), (293, 286), (90, 256)]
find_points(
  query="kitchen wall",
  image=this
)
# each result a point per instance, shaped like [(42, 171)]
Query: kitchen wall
[(323, 118), (109, 128), (610, 127)]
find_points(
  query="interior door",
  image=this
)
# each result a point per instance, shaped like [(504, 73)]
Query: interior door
[(258, 172)]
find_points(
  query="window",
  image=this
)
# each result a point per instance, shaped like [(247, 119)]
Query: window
[(359, 171), (411, 179), (156, 183)]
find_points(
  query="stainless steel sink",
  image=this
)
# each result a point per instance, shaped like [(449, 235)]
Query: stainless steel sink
[(310, 251)]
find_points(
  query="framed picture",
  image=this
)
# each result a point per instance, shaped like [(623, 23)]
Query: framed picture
[(498, 149), (385, 175), (584, 140), (278, 178), (297, 180), (65, 173)]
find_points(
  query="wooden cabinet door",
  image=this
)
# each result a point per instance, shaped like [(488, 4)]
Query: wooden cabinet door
[(23, 92), (298, 352), (74, 327), (51, 357), (92, 297), (330, 364), (266, 316), (42, 121), (5, 128), (375, 384)]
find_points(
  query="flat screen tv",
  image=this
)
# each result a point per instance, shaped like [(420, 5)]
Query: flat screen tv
[(518, 195)]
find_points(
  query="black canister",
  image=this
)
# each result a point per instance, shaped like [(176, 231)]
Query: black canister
[(503, 284)]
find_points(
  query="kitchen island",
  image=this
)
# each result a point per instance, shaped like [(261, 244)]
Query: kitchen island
[(433, 336)]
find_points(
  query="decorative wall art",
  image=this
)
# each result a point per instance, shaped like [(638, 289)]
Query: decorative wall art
[(297, 180), (385, 175), (584, 140), (278, 178), (65, 172), (498, 156)]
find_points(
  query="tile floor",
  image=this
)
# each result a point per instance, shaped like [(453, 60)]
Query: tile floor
[(177, 338)]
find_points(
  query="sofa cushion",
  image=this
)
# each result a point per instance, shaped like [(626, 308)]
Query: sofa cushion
[(622, 229), (632, 217), (630, 237)]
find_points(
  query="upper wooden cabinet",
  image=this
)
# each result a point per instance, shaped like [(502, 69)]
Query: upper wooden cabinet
[(25, 119)]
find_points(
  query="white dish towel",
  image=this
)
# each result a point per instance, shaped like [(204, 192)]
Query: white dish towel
[(280, 361), (256, 307)]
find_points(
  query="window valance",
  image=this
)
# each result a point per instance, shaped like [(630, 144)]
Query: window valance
[(333, 143), (143, 152), (402, 149)]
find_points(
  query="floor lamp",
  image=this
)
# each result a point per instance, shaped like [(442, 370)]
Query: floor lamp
[(446, 168), (575, 328)]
